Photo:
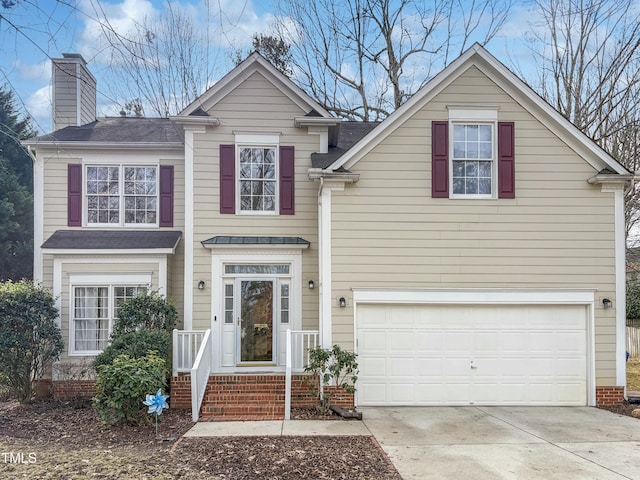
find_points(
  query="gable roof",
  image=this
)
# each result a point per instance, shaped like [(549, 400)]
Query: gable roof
[(479, 57), (254, 63)]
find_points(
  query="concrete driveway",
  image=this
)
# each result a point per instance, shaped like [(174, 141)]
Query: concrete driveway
[(507, 442)]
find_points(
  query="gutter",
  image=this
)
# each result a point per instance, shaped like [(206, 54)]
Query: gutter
[(319, 174)]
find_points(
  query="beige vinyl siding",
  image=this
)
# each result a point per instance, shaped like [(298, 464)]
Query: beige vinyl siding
[(55, 218), (123, 265), (87, 97), (255, 106), (66, 99), (558, 232)]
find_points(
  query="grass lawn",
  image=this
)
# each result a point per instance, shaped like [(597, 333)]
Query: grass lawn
[(633, 374)]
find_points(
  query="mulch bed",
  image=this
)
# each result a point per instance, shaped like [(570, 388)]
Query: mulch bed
[(621, 409), (58, 440)]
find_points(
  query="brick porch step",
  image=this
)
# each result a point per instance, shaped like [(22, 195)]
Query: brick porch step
[(252, 397)]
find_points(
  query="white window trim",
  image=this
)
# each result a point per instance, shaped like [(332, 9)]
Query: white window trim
[(121, 166), (276, 210), (219, 278), (257, 139), (481, 115), (108, 281)]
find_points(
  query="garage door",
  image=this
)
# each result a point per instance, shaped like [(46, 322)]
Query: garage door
[(472, 355)]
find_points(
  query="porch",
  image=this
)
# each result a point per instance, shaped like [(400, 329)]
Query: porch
[(254, 395)]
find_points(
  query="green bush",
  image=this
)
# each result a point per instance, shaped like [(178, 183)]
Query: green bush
[(122, 386), (29, 337), (137, 344), (333, 366), (151, 311)]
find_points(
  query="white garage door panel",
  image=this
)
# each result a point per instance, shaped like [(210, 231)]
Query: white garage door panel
[(462, 354)]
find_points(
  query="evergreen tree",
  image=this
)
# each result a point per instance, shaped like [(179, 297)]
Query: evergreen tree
[(16, 193)]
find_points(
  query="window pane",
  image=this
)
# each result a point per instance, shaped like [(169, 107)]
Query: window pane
[(284, 303), (472, 150), (458, 150), (458, 133), (458, 185), (484, 186), (484, 150), (256, 165), (485, 169), (471, 143), (141, 199), (258, 269), (228, 303), (472, 133), (484, 133), (91, 318)]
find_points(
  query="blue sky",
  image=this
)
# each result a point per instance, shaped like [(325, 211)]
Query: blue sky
[(46, 29)]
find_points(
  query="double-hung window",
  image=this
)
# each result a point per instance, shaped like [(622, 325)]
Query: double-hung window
[(473, 159), (258, 179), (94, 311), (121, 195)]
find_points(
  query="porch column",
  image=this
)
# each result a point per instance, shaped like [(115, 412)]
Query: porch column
[(189, 133), (324, 253)]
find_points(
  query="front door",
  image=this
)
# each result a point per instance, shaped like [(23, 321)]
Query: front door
[(254, 327)]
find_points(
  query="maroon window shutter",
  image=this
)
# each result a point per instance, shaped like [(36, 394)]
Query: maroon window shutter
[(166, 195), (74, 195), (227, 179), (440, 159), (287, 180), (506, 160)]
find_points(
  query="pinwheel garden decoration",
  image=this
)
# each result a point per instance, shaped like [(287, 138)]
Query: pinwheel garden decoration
[(156, 404)]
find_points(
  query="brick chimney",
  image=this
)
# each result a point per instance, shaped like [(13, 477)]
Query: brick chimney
[(74, 92)]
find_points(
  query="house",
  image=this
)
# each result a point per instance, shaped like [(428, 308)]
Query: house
[(470, 248)]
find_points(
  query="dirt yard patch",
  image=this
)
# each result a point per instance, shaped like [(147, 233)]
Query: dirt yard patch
[(53, 440)]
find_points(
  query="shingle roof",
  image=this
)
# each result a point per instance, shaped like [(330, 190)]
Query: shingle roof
[(112, 240), (117, 130), (349, 134)]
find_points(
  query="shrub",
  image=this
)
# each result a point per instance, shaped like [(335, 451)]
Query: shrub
[(333, 366), (151, 310), (137, 344), (121, 387), (29, 337)]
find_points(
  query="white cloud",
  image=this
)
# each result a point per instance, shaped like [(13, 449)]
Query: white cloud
[(39, 72), (38, 105), (119, 18)]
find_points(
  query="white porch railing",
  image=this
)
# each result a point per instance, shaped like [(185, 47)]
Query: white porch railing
[(186, 344), (298, 344), (200, 375)]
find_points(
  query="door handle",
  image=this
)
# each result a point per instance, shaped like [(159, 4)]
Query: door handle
[(473, 367)]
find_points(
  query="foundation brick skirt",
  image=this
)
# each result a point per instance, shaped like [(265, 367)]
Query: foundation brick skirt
[(609, 395), (243, 397)]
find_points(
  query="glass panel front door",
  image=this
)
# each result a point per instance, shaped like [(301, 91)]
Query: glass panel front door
[(256, 321)]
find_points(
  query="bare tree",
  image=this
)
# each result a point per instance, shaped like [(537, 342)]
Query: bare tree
[(362, 59), (588, 63), (164, 64)]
